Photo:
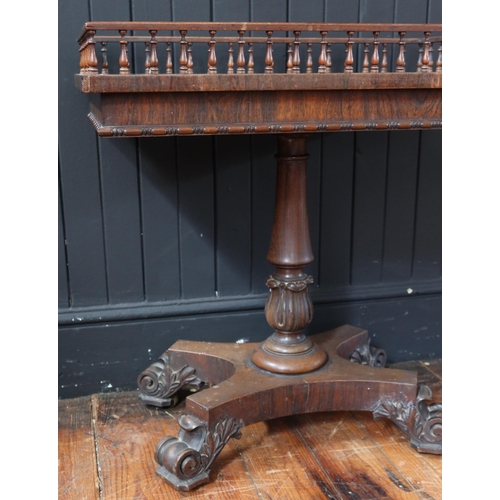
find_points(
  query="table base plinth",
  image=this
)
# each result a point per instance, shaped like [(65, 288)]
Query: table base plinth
[(231, 393)]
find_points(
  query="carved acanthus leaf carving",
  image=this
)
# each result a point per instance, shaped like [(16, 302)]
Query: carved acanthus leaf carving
[(294, 286), (420, 421), (159, 382), (217, 439), (367, 355), (184, 461), (288, 307)]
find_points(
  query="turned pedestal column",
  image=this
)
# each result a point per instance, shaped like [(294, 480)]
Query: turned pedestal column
[(289, 309)]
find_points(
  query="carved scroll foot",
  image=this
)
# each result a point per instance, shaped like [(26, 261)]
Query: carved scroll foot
[(184, 461), (159, 383), (420, 421), (367, 355)]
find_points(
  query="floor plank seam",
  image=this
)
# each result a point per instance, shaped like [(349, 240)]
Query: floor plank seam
[(93, 407), (311, 451), (248, 471)]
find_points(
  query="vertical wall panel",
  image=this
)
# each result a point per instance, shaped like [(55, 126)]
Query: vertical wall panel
[(336, 209), (79, 169), (62, 262), (381, 11), (263, 196), (231, 10), (428, 227), (410, 11), (312, 10), (196, 216), (151, 10), (233, 215), (191, 10), (158, 182), (400, 195), (341, 12), (122, 224), (266, 11), (435, 11), (369, 207)]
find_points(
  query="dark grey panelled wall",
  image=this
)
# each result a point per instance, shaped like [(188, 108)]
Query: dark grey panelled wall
[(166, 238)]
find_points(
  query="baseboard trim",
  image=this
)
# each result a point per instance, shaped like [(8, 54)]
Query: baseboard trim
[(148, 310)]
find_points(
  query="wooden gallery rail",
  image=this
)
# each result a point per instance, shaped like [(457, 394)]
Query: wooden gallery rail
[(323, 78)]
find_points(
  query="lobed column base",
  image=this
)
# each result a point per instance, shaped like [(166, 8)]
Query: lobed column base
[(308, 357)]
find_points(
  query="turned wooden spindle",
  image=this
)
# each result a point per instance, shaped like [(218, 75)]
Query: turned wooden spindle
[(104, 53), (92, 62), (328, 57), (212, 58), (288, 308), (349, 58), (230, 60), (269, 54), (383, 65), (400, 61), (83, 58), (123, 59), (420, 54), (169, 65), (190, 63), (289, 61), (241, 54), (153, 61), (251, 63), (183, 58), (366, 62), (425, 68), (431, 56), (309, 63), (439, 62), (147, 62), (375, 57), (296, 54), (322, 53)]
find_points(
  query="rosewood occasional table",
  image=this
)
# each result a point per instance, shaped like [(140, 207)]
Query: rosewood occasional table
[(290, 373)]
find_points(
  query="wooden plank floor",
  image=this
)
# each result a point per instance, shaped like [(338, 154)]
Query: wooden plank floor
[(106, 445)]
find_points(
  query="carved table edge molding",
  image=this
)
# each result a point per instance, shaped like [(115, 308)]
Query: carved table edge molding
[(260, 128)]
